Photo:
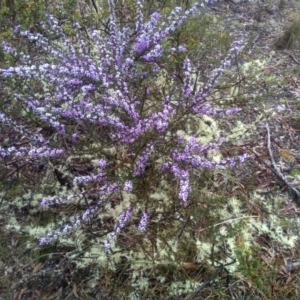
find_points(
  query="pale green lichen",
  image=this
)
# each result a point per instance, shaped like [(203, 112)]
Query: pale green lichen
[(238, 132), (204, 128), (180, 288)]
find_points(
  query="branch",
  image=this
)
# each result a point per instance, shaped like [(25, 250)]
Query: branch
[(294, 191), (95, 6)]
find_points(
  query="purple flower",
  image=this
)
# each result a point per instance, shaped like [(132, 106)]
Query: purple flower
[(184, 187), (128, 186), (184, 184), (143, 221), (102, 163), (143, 159), (74, 223), (142, 44), (123, 219), (155, 16)]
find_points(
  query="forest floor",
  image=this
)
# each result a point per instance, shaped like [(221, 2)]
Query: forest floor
[(274, 171), (276, 145)]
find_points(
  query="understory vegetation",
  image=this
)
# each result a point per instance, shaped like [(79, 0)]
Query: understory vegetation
[(137, 159)]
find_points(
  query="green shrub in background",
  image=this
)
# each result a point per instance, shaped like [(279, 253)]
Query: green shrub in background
[(27, 13), (290, 37)]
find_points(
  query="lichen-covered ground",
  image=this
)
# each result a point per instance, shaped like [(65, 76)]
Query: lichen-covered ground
[(240, 240)]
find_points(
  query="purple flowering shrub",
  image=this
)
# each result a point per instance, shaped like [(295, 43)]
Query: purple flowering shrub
[(120, 139)]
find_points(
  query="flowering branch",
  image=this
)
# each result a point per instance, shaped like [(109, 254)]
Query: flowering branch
[(103, 83)]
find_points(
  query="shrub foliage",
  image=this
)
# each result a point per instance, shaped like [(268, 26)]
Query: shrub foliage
[(114, 133)]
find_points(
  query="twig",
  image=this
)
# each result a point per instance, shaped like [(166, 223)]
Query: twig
[(220, 268), (227, 221), (211, 278), (294, 58), (95, 6), (294, 191)]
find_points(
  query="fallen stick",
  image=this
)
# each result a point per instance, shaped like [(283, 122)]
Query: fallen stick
[(294, 191)]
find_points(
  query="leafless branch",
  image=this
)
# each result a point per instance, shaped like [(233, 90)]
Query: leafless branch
[(294, 191)]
